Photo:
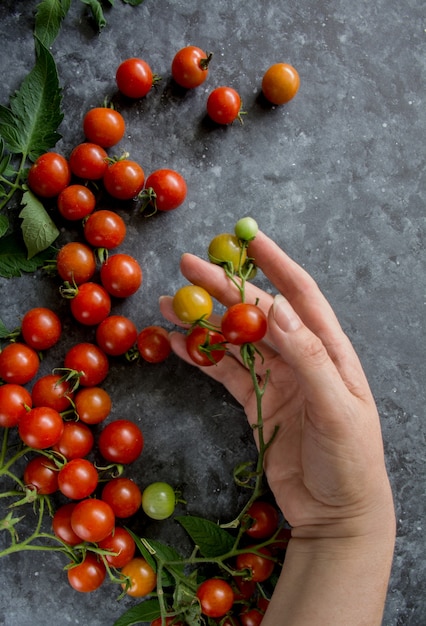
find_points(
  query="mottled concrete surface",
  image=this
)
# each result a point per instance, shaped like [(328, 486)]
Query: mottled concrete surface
[(337, 177)]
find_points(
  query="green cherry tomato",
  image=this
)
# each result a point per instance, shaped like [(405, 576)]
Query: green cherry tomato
[(246, 229), (158, 500), (225, 249), (192, 303)]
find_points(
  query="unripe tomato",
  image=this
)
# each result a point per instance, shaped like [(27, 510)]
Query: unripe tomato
[(192, 303), (158, 500), (142, 577), (225, 249)]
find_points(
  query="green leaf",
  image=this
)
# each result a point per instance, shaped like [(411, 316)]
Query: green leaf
[(29, 126), (4, 225), (48, 19), (4, 331), (211, 539), (97, 12), (144, 612), (38, 229), (13, 257)]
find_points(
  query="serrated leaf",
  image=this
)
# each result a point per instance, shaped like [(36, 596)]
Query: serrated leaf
[(4, 225), (4, 331), (29, 126), (211, 539), (146, 611), (97, 12), (48, 19), (13, 257), (38, 229)]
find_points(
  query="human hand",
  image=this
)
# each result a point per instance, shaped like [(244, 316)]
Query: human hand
[(326, 465)]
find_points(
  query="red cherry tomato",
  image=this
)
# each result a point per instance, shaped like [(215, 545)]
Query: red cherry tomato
[(104, 229), (104, 126), (260, 567), (87, 575), (216, 597), (90, 361), (76, 202), (243, 323), (15, 400), (123, 495), (18, 363), (92, 405), (121, 441), (50, 390), (49, 175), (121, 542), (76, 262), (199, 345), (251, 617), (92, 519), (153, 344), (280, 83), (89, 161), (41, 328), (124, 179), (121, 275), (262, 519), (224, 105), (116, 334), (41, 427), (76, 441), (190, 67), (42, 473), (166, 189), (61, 524), (91, 304), (134, 78), (78, 479)]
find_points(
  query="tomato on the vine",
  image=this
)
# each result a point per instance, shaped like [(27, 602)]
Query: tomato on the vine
[(153, 344), (280, 83), (170, 621), (246, 228), (165, 189), (89, 361), (49, 175), (91, 304), (88, 160), (121, 275), (104, 229), (251, 617), (76, 262), (92, 405), (260, 567), (123, 495), (116, 334), (104, 126), (42, 473), (158, 500), (225, 249), (190, 66), (204, 346), (92, 519), (244, 323), (41, 328), (224, 105), (216, 597), (61, 524), (41, 427), (15, 401), (51, 390), (120, 542), (19, 363), (134, 78), (78, 479), (192, 303), (76, 441), (121, 441), (87, 575), (124, 179), (142, 577), (262, 520), (76, 202)]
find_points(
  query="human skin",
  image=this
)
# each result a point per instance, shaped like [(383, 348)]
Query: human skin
[(326, 465)]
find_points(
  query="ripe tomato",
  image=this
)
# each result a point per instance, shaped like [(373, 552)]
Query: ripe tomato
[(262, 520), (158, 500), (76, 202), (121, 275), (280, 83), (243, 323), (61, 524), (49, 175), (216, 597), (153, 344), (190, 67), (89, 161), (42, 473), (225, 249), (121, 542), (192, 303), (134, 78), (76, 441), (92, 519), (170, 621), (142, 577), (15, 400), (87, 575), (116, 334), (224, 105), (90, 361), (260, 567), (251, 617), (91, 304), (41, 427), (165, 189), (18, 363), (200, 344), (50, 390), (76, 262), (78, 479), (246, 588), (121, 441), (41, 328), (92, 405), (124, 179), (104, 126), (104, 229), (123, 495)]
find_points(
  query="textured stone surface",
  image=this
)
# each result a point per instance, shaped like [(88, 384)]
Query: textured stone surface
[(337, 177)]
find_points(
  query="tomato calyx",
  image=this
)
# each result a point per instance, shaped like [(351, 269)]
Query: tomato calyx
[(204, 63)]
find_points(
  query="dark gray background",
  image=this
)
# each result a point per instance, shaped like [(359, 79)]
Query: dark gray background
[(336, 177)]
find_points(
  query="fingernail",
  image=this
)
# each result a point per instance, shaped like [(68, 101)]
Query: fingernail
[(284, 314)]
